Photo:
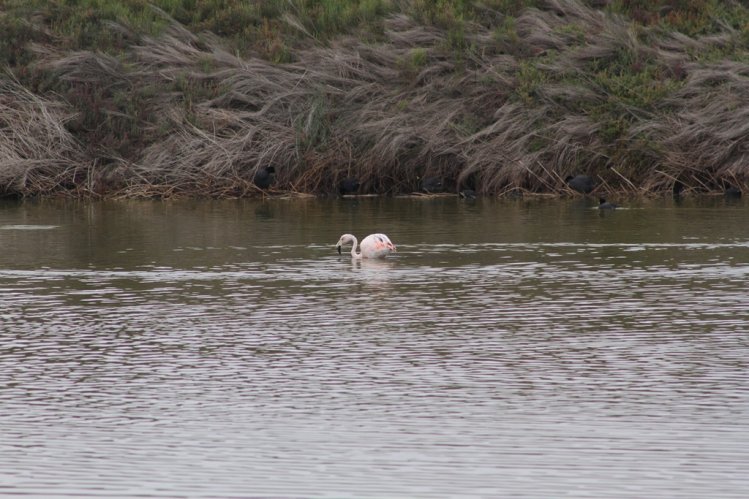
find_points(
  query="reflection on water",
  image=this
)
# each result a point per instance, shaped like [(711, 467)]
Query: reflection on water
[(532, 349)]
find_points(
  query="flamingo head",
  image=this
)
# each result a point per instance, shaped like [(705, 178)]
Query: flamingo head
[(345, 239)]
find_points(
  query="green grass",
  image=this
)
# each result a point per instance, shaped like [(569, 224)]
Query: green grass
[(262, 26)]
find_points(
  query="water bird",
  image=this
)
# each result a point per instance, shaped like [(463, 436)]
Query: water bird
[(430, 185), (348, 186), (264, 177), (372, 246), (732, 192), (605, 205), (580, 183), (468, 194), (678, 188)]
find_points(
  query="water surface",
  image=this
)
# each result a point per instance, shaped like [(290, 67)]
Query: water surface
[(511, 348)]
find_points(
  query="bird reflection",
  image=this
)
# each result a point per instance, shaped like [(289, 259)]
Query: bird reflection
[(373, 265), (263, 211), (376, 274)]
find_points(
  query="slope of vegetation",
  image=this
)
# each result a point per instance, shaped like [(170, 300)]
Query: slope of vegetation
[(180, 97)]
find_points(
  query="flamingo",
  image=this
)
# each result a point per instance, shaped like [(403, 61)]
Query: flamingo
[(373, 246)]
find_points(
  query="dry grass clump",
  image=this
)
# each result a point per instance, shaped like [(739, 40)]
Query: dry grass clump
[(705, 141), (37, 152), (517, 103), (636, 116)]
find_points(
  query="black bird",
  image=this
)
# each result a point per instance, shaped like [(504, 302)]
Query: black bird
[(732, 192), (348, 186), (468, 194), (678, 188), (431, 185), (580, 183), (264, 177), (605, 205)]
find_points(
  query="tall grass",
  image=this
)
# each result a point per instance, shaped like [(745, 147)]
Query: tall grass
[(38, 155), (499, 96)]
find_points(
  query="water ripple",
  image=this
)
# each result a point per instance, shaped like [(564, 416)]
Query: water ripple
[(471, 370)]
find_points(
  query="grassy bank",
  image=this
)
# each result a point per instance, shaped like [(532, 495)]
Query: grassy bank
[(178, 97)]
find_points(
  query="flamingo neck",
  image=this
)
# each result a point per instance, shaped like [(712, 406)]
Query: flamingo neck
[(355, 244)]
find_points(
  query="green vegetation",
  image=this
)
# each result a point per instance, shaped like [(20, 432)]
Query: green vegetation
[(180, 97)]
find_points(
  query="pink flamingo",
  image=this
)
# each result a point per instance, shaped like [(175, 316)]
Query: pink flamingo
[(373, 246)]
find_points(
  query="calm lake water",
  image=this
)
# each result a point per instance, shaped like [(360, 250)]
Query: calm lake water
[(527, 348)]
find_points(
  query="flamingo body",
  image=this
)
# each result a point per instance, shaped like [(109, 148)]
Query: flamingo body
[(373, 246)]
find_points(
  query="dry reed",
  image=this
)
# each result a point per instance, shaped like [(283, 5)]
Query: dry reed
[(37, 152), (518, 113)]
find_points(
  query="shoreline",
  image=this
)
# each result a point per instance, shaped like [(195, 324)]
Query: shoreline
[(280, 195)]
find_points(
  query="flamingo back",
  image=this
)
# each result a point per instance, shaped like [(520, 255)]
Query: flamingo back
[(377, 246)]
